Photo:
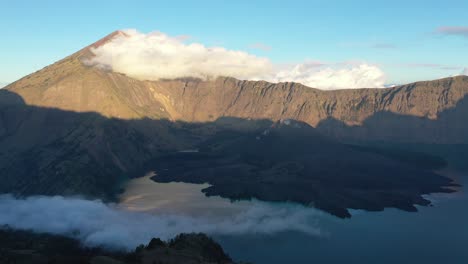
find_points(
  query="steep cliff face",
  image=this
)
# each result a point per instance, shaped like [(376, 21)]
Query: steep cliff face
[(430, 112), (73, 128), (423, 112)]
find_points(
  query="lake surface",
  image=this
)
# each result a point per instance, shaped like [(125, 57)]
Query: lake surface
[(288, 233)]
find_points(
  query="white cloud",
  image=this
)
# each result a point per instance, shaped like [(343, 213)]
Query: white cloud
[(155, 56), (99, 224), (465, 72), (337, 76)]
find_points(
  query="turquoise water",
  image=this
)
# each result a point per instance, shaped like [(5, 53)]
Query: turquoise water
[(434, 235), (437, 234)]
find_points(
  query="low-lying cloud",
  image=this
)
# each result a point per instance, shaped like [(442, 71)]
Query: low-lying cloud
[(465, 72), (156, 56), (98, 224)]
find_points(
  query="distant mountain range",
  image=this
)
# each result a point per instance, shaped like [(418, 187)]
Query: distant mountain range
[(76, 129)]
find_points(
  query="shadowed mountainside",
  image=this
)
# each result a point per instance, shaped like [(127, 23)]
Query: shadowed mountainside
[(449, 127), (423, 101), (51, 151), (291, 161), (72, 128)]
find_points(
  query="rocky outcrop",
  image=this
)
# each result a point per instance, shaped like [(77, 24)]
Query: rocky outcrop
[(27, 247)]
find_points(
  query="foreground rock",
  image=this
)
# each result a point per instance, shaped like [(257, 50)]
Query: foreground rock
[(18, 247)]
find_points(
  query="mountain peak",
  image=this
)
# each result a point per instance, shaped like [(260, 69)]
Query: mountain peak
[(108, 38), (86, 52)]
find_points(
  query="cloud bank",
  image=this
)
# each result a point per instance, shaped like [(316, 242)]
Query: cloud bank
[(99, 224), (331, 77), (465, 72), (156, 55)]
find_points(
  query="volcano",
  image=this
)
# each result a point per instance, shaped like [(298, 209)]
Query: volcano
[(79, 128)]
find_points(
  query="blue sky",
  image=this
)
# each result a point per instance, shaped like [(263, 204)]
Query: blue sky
[(408, 40)]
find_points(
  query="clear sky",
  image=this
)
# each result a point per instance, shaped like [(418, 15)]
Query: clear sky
[(408, 40)]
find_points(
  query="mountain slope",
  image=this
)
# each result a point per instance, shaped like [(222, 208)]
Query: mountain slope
[(71, 85), (356, 114), (424, 101), (72, 128)]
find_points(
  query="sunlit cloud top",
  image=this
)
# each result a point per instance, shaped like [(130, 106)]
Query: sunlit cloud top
[(156, 55)]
